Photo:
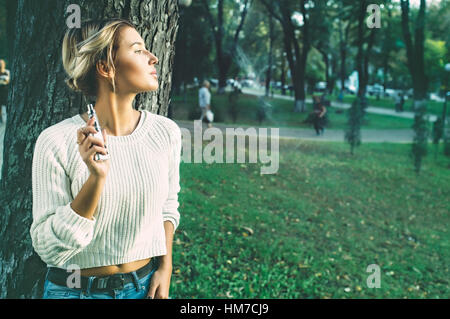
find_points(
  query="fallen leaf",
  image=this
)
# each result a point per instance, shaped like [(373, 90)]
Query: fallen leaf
[(248, 229)]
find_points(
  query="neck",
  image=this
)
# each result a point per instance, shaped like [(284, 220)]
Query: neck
[(116, 114)]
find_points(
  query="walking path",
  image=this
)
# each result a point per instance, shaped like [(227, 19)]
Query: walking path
[(334, 135), (336, 104)]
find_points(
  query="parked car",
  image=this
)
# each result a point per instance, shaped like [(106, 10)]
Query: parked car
[(390, 93), (375, 90), (435, 97)]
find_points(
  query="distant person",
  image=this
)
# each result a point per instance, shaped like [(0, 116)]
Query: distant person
[(318, 115), (204, 100), (4, 81)]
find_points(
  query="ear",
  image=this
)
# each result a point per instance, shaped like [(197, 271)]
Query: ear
[(103, 69)]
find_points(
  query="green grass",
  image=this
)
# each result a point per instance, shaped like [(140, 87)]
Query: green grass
[(389, 103), (281, 115), (317, 224)]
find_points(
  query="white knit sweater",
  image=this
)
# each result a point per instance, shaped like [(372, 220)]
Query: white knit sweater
[(139, 194)]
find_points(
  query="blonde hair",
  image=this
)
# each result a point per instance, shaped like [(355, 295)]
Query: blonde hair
[(83, 47)]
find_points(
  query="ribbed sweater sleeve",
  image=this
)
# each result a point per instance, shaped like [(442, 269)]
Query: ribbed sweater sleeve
[(170, 207), (57, 232)]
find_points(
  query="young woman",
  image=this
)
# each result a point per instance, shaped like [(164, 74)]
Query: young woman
[(112, 220)]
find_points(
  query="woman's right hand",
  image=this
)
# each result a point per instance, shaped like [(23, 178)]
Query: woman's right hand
[(88, 145)]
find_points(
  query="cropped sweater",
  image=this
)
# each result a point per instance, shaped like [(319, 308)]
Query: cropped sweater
[(139, 194)]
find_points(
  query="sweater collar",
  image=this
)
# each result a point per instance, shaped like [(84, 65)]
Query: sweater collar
[(145, 120)]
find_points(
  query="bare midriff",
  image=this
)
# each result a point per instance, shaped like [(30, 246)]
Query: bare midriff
[(114, 269)]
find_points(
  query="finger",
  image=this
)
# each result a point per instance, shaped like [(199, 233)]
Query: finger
[(86, 130), (80, 137), (83, 132), (95, 141), (151, 292), (90, 141), (96, 149), (104, 135)]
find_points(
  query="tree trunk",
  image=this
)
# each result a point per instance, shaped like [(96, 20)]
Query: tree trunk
[(343, 40), (360, 55), (224, 58), (326, 61), (283, 75), (415, 51), (297, 66), (11, 7), (301, 57), (41, 99), (269, 65)]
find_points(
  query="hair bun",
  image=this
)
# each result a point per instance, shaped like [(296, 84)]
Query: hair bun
[(72, 84)]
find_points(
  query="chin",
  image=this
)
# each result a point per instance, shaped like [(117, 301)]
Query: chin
[(150, 88)]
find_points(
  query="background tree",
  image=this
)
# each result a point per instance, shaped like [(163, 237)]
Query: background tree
[(343, 23), (415, 49), (416, 64), (193, 48), (283, 11), (41, 98), (225, 47), (364, 42)]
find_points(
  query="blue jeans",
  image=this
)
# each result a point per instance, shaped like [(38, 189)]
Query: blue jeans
[(131, 290)]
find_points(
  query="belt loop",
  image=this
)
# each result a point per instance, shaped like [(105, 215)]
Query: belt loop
[(89, 285), (136, 280)]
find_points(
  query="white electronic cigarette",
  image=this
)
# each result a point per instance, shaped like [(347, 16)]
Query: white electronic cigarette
[(92, 114)]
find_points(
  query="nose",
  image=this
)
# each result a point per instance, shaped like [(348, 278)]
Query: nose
[(152, 58)]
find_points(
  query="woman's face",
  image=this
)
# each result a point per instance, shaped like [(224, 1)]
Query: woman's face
[(134, 64)]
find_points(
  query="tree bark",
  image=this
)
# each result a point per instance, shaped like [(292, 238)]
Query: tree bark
[(41, 99), (415, 50), (269, 65), (297, 66), (224, 58)]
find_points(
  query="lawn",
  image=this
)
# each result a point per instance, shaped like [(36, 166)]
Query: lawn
[(281, 114), (312, 229), (433, 107)]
